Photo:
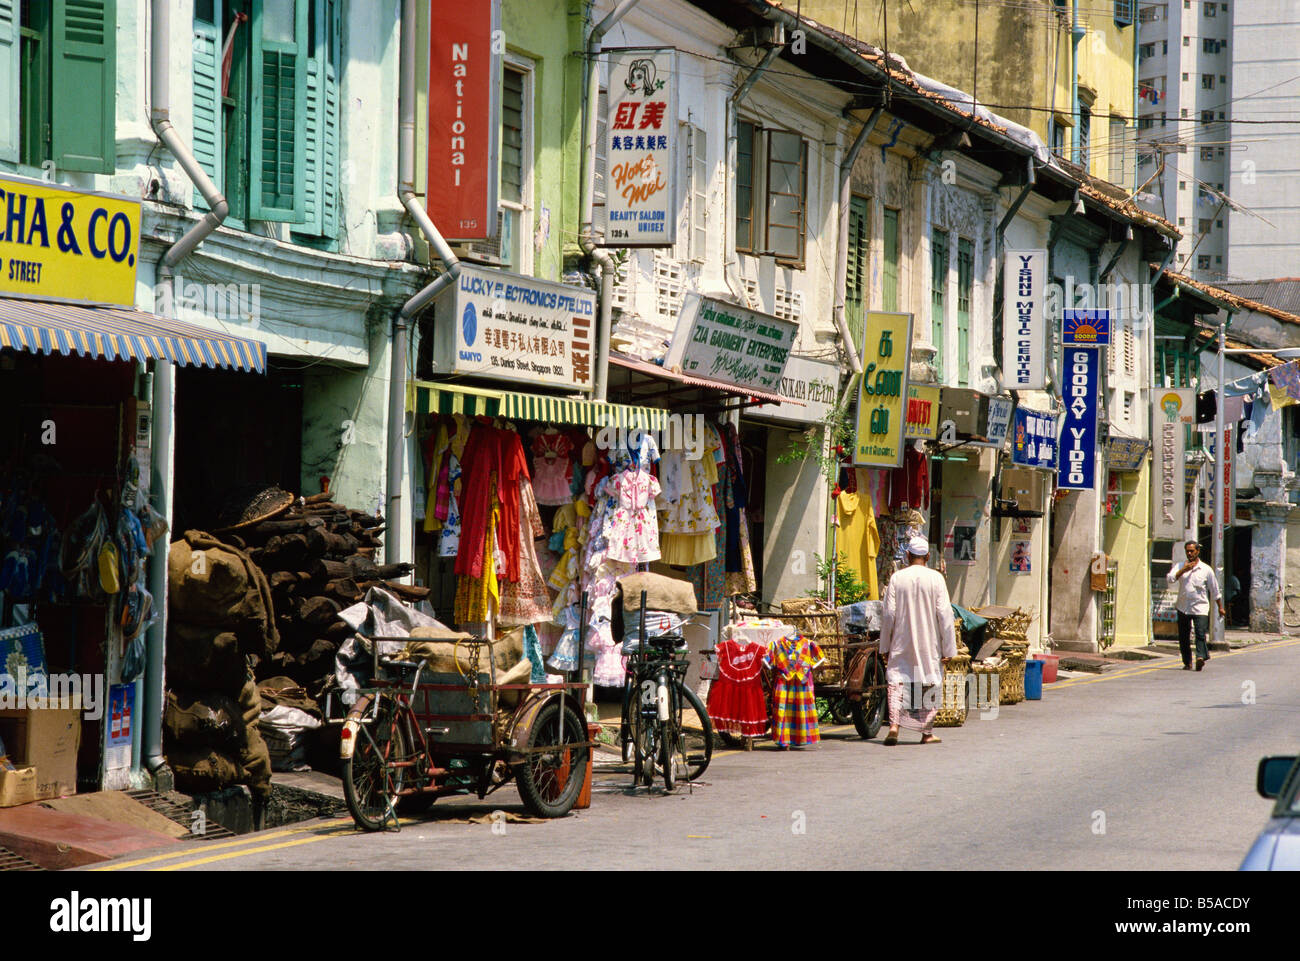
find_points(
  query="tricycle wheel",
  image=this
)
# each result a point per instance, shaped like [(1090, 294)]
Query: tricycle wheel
[(840, 709), (869, 711), (550, 776), (370, 785)]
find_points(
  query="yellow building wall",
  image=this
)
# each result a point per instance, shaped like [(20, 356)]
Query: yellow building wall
[(1125, 541), (1106, 71)]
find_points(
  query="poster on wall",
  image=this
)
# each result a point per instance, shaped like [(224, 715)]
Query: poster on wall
[(882, 391), (464, 92), (1020, 554), (1175, 408), (1078, 441), (1024, 323), (640, 148), (961, 541)]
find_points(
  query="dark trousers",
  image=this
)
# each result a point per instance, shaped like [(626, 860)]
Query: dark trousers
[(1185, 624)]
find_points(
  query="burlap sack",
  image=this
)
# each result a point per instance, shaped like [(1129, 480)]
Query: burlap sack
[(519, 674), (202, 721), (288, 693), (440, 648), (202, 771), (256, 763), (212, 584), (250, 703), (204, 659)]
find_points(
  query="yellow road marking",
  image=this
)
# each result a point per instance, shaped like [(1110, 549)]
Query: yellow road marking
[(246, 839), (257, 850)]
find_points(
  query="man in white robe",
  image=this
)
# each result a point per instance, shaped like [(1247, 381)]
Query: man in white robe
[(917, 639)]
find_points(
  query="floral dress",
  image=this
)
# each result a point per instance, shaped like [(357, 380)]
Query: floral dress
[(633, 527), (690, 518)]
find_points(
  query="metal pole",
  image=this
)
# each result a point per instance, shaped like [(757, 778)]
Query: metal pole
[(1219, 449)]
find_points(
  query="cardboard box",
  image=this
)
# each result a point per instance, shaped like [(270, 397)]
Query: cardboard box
[(18, 787), (47, 739)]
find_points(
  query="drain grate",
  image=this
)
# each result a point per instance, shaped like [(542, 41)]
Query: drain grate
[(180, 813), (16, 862)]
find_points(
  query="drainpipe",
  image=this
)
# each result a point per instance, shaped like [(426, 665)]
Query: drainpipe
[(1077, 33), (401, 335), (163, 397), (586, 231), (842, 247)]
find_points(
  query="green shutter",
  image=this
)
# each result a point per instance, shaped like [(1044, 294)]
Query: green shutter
[(321, 128), (330, 192), (84, 82), (855, 287), (889, 282), (208, 141), (965, 281), (938, 295), (9, 59), (312, 181), (276, 151)]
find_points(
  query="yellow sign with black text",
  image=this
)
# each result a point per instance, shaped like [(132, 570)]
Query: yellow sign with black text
[(62, 244), (882, 391)]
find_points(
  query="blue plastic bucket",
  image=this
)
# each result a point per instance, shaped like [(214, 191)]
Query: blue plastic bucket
[(1033, 680)]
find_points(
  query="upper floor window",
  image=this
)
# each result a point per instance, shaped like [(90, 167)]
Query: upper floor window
[(1085, 130), (1212, 9), (58, 64), (266, 109), (1124, 12), (776, 227)]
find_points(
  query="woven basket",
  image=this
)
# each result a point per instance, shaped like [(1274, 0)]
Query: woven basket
[(983, 686), (1012, 688), (952, 713), (1016, 626), (825, 630)]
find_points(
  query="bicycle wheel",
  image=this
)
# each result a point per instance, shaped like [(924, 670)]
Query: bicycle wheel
[(550, 776), (697, 748), (370, 783)]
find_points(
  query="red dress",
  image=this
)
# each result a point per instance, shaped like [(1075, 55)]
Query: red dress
[(736, 701)]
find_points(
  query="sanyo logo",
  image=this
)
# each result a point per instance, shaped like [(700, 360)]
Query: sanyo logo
[(471, 355), (77, 915)]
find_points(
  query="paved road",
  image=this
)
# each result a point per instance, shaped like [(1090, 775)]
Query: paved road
[(1150, 767)]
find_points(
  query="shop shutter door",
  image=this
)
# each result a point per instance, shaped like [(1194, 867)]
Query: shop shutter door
[(208, 141), (84, 84), (278, 139), (9, 136)]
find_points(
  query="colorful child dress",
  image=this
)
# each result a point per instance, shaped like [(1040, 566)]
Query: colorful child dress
[(794, 707), (736, 702)]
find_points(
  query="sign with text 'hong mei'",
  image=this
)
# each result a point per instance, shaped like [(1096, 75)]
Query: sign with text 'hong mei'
[(882, 391), (515, 328), (62, 244), (1173, 410), (1078, 441), (640, 148), (737, 346), (1024, 325), (464, 92)]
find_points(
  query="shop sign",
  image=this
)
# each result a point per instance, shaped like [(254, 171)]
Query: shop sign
[(1229, 468), (640, 148), (62, 244), (1085, 328), (464, 92), (1033, 441), (1175, 408), (516, 328), (1024, 324), (997, 424), (1078, 466), (813, 383), (922, 412), (737, 346), (882, 390), (1125, 453)]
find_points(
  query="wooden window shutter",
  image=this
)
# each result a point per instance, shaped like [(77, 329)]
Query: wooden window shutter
[(855, 288), (277, 142), (9, 73), (83, 98), (321, 126), (331, 188), (208, 142)]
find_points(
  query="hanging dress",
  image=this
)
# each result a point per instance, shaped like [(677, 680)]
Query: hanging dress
[(736, 701), (552, 468), (794, 706), (633, 527), (526, 601)]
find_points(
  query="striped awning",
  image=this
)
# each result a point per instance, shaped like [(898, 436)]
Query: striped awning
[(429, 397), (121, 333)]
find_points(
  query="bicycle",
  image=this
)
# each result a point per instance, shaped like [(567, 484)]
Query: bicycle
[(655, 698)]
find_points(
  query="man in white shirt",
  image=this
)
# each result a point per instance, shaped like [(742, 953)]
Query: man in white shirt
[(1197, 586)]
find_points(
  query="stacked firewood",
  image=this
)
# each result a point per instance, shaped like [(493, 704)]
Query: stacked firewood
[(319, 558)]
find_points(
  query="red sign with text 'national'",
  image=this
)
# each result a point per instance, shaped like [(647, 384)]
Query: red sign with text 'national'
[(461, 193)]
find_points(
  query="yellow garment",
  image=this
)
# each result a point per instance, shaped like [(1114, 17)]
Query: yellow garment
[(472, 593), (683, 550), (432, 523), (859, 540), (1279, 398)]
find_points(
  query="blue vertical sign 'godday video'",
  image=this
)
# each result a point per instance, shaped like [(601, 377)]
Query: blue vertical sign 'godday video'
[(1078, 445)]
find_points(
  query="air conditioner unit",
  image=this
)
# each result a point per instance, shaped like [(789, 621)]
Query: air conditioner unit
[(483, 251), (967, 409)]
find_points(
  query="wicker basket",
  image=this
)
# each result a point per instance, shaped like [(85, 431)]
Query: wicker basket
[(1012, 688), (823, 629), (952, 713), (983, 686)]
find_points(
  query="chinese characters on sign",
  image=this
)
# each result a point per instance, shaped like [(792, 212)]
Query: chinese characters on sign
[(882, 392), (464, 74), (517, 328), (1085, 328), (1174, 409), (717, 340), (1079, 429), (1033, 441), (1024, 329), (640, 149)]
